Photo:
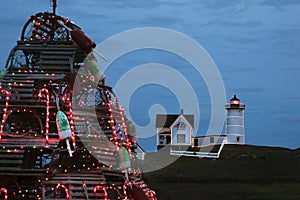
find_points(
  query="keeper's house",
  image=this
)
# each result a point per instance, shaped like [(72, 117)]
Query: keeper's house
[(174, 129), (178, 130)]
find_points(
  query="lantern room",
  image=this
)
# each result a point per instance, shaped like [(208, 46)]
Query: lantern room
[(234, 101)]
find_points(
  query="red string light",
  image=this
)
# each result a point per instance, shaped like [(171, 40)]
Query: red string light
[(4, 190), (65, 188), (4, 116), (112, 123), (103, 188), (124, 126), (45, 90), (67, 98), (127, 182), (151, 194)]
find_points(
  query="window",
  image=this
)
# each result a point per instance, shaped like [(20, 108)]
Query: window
[(211, 140), (237, 139), (181, 126), (161, 139), (180, 138)]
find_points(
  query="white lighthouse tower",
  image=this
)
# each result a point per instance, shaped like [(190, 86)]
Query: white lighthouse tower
[(235, 130)]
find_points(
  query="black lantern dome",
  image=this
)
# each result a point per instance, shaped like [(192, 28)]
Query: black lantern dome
[(234, 101)]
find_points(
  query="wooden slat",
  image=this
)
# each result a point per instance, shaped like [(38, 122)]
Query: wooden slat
[(55, 62), (92, 174), (81, 195), (52, 67), (9, 169), (34, 76), (21, 172), (74, 178), (71, 182), (93, 195), (15, 84), (48, 48), (11, 80), (54, 57), (79, 187), (21, 103), (64, 52), (11, 161), (25, 90), (4, 152), (22, 95), (27, 142), (10, 156)]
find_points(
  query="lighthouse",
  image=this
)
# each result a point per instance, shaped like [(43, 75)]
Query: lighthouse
[(235, 130)]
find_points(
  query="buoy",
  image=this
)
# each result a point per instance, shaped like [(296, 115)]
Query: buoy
[(85, 43), (3, 72), (124, 158), (137, 193), (124, 161), (63, 127)]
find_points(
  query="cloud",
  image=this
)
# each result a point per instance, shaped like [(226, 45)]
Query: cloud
[(238, 69), (294, 97), (241, 24), (161, 21), (252, 89), (131, 4), (282, 41), (177, 3), (280, 3), (296, 68), (287, 117), (219, 4), (208, 23)]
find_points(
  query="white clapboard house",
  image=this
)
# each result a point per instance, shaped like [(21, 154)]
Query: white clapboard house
[(174, 129)]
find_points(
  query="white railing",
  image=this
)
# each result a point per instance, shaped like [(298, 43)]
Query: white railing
[(198, 154)]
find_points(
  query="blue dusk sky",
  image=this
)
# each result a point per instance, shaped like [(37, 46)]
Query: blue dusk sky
[(255, 45)]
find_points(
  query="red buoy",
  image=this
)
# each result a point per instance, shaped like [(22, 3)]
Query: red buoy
[(137, 193), (83, 41)]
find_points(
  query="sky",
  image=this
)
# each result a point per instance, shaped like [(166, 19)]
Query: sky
[(254, 44)]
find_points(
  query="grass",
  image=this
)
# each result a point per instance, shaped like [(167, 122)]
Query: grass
[(232, 191), (242, 172)]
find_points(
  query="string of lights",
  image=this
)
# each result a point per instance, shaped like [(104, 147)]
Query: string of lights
[(4, 116), (46, 91)]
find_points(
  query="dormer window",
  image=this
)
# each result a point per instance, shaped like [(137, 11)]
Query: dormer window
[(181, 126)]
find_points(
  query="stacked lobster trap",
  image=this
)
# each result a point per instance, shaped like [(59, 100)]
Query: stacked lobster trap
[(63, 134)]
